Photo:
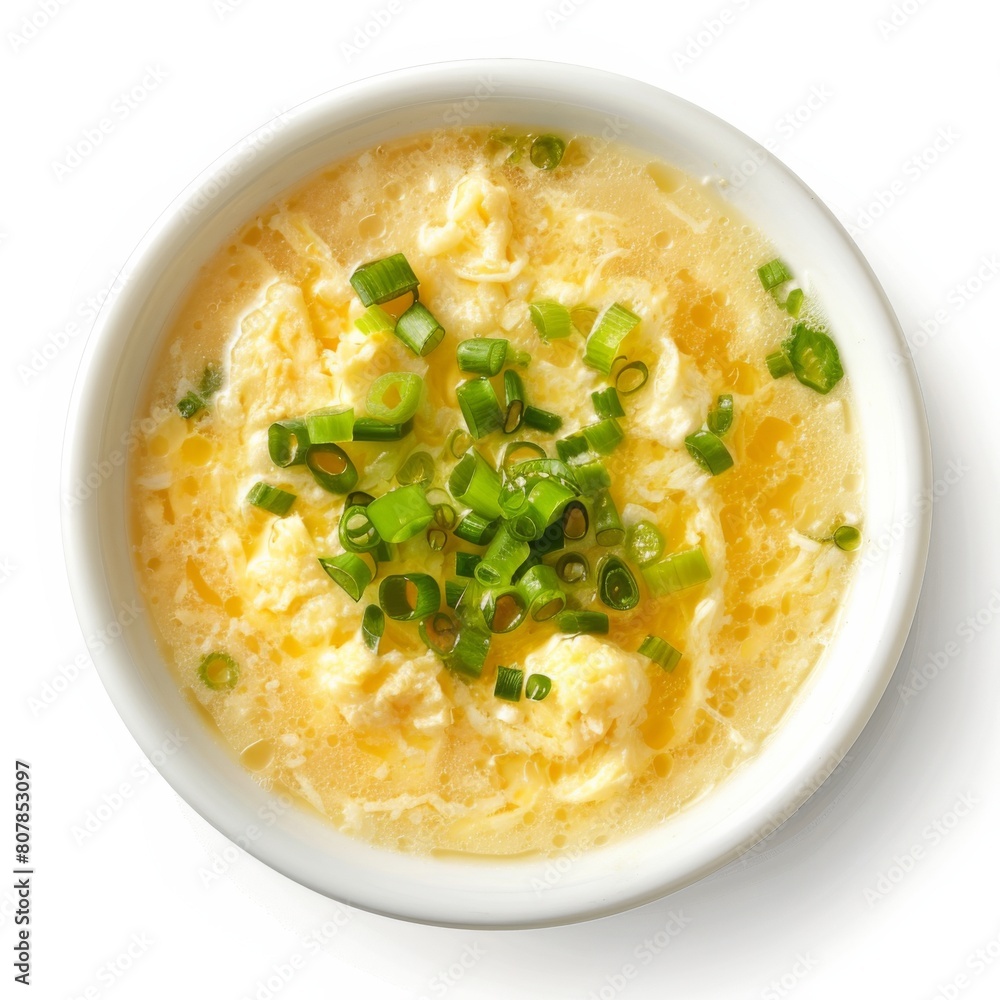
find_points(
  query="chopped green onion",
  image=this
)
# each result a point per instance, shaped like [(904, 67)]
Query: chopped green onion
[(772, 274), (476, 529), (472, 646), (189, 404), (509, 680), (616, 585), (219, 671), (513, 389), (610, 329), (515, 452), (405, 597), (814, 357), (709, 452), (381, 553), (574, 449), (482, 355), (551, 320), (537, 687), (358, 498), (453, 590), (607, 403), (533, 469), (475, 483), (631, 377), (287, 442), (504, 609), (367, 429), (660, 651), (459, 442), (466, 563), (373, 626), (350, 571), (331, 467), (480, 407), (573, 567), (375, 320), (211, 381), (445, 516), (382, 280), (583, 318), (583, 622), (503, 556), (604, 436), (330, 424), (400, 514), (720, 417), (547, 152), (847, 537), (439, 633), (644, 543), (778, 364), (677, 572), (394, 397), (419, 330), (356, 531), (523, 528), (542, 420), (271, 498), (793, 304), (592, 476), (418, 468), (546, 502), (551, 540), (608, 528), (542, 594), (575, 521), (437, 539)]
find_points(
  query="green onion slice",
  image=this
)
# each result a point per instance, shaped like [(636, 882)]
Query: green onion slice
[(814, 358), (503, 556), (401, 513), (583, 318), (405, 597), (513, 389), (575, 521), (189, 404), (287, 442), (418, 468), (368, 429), (607, 403), (356, 531), (793, 304), (394, 397), (437, 539), (773, 273), (375, 320), (573, 567), (350, 571), (476, 529), (616, 586), (480, 407), (631, 377), (592, 476), (583, 622), (270, 498), (547, 152), (372, 626), (778, 364), (439, 632), (644, 543), (382, 280), (660, 651), (453, 591), (720, 417), (211, 381), (709, 452), (546, 502), (482, 355), (418, 329), (610, 329), (539, 587), (677, 572), (504, 609), (551, 540), (466, 563), (537, 687), (358, 498), (520, 451), (608, 527), (847, 537), (552, 320), (604, 436), (219, 671), (542, 420), (331, 467), (472, 646), (459, 442), (574, 449), (445, 516), (509, 679), (475, 483), (330, 424)]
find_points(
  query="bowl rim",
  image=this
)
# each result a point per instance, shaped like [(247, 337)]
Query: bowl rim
[(86, 425)]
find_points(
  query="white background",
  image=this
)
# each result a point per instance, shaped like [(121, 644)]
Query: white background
[(887, 883)]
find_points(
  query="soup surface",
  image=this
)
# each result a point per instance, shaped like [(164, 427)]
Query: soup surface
[(403, 744)]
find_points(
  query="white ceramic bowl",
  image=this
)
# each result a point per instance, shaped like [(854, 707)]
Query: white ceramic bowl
[(828, 714)]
